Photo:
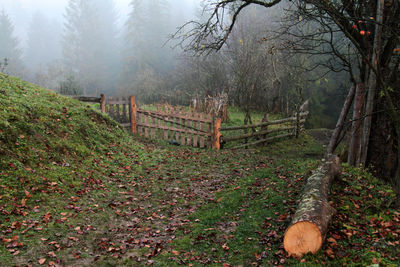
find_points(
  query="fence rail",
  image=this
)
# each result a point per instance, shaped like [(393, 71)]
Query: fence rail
[(186, 128), (287, 127), (89, 99)]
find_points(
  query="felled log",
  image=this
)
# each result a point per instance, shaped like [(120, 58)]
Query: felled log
[(309, 225)]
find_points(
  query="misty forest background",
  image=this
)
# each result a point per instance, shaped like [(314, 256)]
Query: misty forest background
[(91, 51)]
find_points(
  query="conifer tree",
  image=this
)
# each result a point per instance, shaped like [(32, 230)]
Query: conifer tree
[(146, 33), (9, 46), (89, 44), (43, 42)]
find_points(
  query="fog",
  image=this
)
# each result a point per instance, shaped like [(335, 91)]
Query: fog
[(90, 45), (123, 47)]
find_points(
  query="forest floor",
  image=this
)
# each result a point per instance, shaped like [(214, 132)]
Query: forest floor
[(77, 190)]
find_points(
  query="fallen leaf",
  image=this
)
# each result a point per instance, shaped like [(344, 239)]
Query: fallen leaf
[(27, 194), (331, 240), (41, 261), (52, 254), (330, 253)]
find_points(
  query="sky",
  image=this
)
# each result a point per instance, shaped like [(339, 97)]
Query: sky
[(21, 11)]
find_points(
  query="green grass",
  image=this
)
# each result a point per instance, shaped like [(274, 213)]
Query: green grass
[(78, 190)]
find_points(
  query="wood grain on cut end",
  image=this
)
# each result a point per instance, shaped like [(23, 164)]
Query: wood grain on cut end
[(302, 238)]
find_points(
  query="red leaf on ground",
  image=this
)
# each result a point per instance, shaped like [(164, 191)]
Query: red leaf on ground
[(27, 194)]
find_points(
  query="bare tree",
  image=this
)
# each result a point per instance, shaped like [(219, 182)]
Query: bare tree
[(349, 30)]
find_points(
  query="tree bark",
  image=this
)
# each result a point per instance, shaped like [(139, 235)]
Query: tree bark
[(309, 225), (333, 143), (355, 141), (372, 83), (383, 148)]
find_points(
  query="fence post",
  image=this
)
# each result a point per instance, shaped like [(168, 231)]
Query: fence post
[(297, 124), (132, 107), (265, 128), (216, 134), (103, 103)]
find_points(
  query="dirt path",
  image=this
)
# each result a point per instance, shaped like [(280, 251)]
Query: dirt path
[(135, 216), (321, 135)]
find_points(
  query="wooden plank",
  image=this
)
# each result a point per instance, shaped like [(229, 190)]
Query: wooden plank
[(174, 115), (195, 135), (153, 129), (216, 134), (183, 134), (116, 101), (244, 136), (202, 129), (210, 129), (111, 111), (118, 112), (177, 125), (160, 131), (286, 120), (124, 114), (166, 131), (133, 114), (189, 136), (139, 123), (88, 99), (269, 139), (103, 103), (146, 128)]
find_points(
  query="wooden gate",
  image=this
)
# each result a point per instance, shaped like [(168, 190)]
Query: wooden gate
[(185, 128), (168, 123)]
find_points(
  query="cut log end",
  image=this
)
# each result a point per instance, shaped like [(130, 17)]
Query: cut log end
[(302, 238)]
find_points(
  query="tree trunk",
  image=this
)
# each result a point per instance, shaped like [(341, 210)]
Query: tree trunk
[(309, 225), (383, 149), (333, 143), (372, 83), (355, 141)]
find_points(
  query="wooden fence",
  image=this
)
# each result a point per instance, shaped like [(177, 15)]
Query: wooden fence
[(186, 128), (192, 128), (264, 133), (167, 123)]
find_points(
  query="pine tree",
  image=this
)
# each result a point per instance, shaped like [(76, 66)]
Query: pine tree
[(89, 44), (9, 46), (136, 37), (146, 33), (43, 42)]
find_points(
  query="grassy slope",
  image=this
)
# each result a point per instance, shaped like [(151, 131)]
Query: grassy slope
[(57, 156), (77, 190)]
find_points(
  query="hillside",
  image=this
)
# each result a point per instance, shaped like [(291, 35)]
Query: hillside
[(78, 190), (53, 151)]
